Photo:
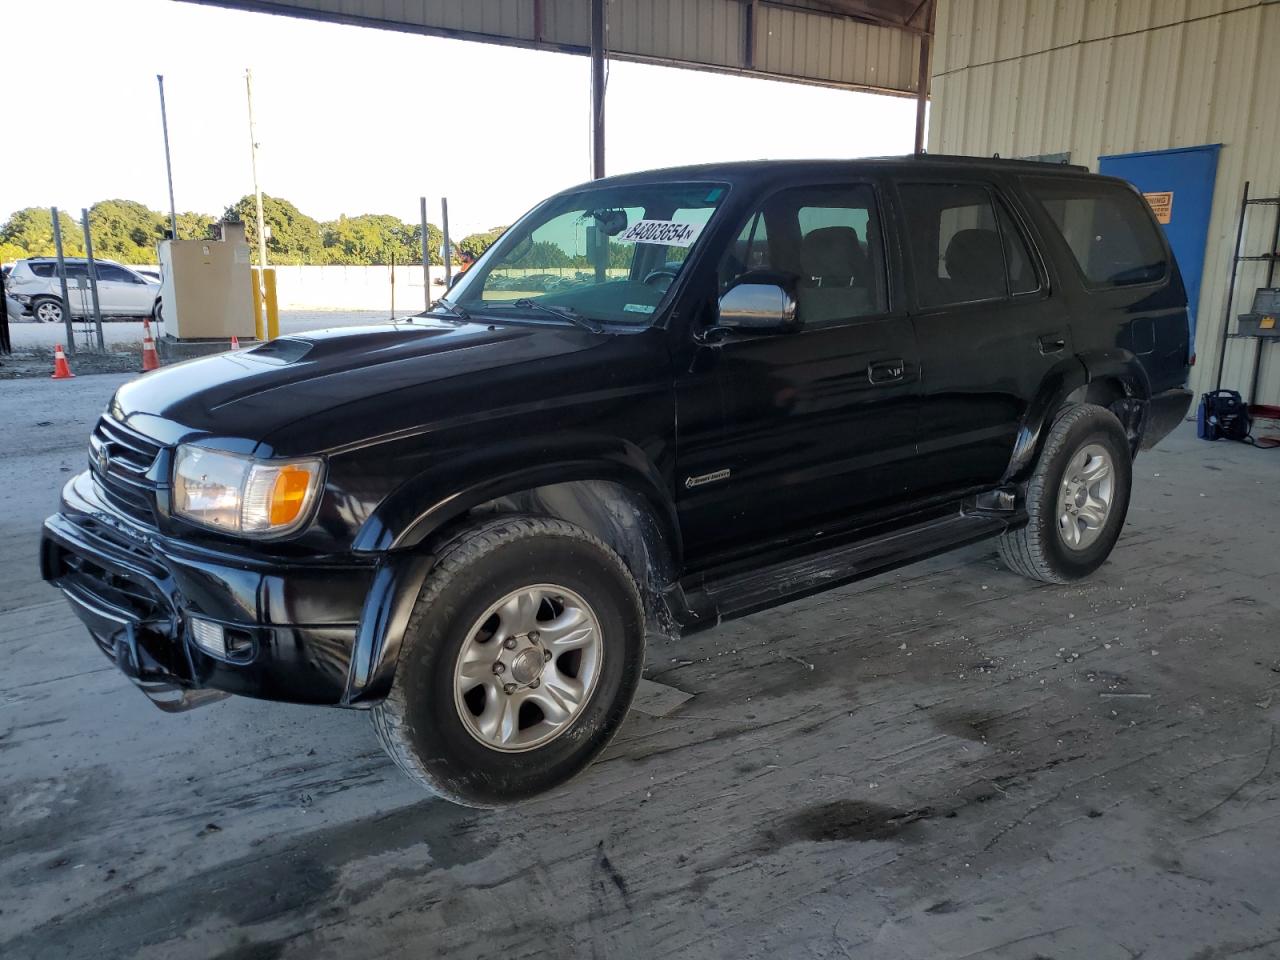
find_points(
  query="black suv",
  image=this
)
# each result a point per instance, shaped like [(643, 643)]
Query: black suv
[(658, 401)]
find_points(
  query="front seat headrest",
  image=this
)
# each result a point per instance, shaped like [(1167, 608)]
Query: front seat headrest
[(833, 254)]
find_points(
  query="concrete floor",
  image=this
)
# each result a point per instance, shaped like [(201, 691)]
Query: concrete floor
[(947, 762)]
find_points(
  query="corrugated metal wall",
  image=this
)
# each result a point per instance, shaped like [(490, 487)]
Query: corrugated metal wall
[(788, 42), (1098, 77)]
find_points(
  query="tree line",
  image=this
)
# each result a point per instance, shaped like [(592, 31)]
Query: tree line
[(127, 231)]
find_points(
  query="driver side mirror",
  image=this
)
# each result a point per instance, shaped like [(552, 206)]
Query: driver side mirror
[(760, 303)]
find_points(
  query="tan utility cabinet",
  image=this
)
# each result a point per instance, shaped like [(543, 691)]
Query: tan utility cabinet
[(206, 291)]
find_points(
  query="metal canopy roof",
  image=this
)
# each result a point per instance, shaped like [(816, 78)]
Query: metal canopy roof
[(873, 45)]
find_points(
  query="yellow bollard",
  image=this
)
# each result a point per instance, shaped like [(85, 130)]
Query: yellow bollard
[(273, 311), (257, 301)]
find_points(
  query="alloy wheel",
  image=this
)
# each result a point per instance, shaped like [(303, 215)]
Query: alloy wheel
[(1084, 502), (528, 667)]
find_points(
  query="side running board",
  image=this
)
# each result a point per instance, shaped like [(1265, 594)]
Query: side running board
[(715, 599)]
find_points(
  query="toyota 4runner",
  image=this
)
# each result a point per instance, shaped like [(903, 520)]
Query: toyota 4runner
[(658, 401)]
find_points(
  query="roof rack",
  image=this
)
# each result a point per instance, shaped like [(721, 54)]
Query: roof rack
[(997, 159)]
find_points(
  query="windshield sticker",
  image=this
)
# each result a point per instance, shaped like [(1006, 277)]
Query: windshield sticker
[(665, 232), (638, 308)]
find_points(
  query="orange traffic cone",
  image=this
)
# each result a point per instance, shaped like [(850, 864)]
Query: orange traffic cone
[(235, 342), (61, 370), (149, 359)]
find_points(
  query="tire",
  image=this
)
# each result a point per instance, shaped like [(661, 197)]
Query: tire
[(157, 312), (47, 310), (437, 734), (1084, 439)]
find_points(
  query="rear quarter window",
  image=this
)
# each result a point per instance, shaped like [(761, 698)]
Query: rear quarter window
[(1108, 228), (42, 269)]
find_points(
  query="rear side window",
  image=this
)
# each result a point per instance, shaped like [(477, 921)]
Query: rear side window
[(1107, 227), (964, 244), (41, 269)]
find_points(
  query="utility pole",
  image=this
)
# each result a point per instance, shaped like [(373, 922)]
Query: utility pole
[(92, 271), (257, 191), (62, 279), (426, 256), (445, 250), (168, 164)]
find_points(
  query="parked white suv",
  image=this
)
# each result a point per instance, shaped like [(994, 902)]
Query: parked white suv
[(122, 291)]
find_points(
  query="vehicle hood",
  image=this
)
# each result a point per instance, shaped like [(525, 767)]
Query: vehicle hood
[(310, 383)]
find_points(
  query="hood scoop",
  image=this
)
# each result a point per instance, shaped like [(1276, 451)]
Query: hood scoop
[(282, 350)]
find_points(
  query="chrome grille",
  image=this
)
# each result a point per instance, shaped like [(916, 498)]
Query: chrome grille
[(124, 475)]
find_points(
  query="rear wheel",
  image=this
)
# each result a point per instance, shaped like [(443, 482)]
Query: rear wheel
[(518, 664), (47, 309), (1077, 498)]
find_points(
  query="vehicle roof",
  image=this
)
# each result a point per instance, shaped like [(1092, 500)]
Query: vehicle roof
[(747, 170)]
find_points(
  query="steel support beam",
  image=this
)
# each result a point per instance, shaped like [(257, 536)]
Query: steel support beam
[(597, 89), (922, 80)]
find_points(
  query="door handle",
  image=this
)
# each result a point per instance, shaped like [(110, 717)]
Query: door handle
[(886, 371), (1052, 343)]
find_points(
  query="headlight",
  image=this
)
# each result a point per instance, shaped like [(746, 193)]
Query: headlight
[(237, 494)]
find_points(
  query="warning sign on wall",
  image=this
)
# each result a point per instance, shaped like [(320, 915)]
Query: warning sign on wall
[(1161, 205)]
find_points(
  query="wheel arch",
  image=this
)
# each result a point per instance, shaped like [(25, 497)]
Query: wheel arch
[(1114, 379), (625, 510), (1118, 381)]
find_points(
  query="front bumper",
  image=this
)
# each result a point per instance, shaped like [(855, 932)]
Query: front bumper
[(135, 590)]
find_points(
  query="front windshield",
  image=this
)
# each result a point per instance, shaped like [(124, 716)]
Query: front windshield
[(604, 255)]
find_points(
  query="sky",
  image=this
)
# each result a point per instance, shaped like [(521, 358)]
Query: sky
[(355, 120)]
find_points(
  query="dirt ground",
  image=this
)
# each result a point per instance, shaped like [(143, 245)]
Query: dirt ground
[(943, 763)]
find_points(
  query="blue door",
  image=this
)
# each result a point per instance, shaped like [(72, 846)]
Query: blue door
[(1179, 186)]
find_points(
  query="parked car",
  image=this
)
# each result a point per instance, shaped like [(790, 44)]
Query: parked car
[(12, 308), (467, 522), (122, 291)]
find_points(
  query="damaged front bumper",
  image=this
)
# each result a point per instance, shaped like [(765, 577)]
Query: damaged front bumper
[(295, 623)]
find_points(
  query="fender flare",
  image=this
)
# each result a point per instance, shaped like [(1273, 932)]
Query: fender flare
[(411, 554), (1074, 375), (1066, 376)]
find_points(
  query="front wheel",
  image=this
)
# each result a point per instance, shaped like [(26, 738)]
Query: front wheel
[(157, 312), (518, 664), (1077, 498)]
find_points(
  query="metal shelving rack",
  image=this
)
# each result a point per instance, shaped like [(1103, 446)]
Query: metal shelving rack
[(1270, 258)]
